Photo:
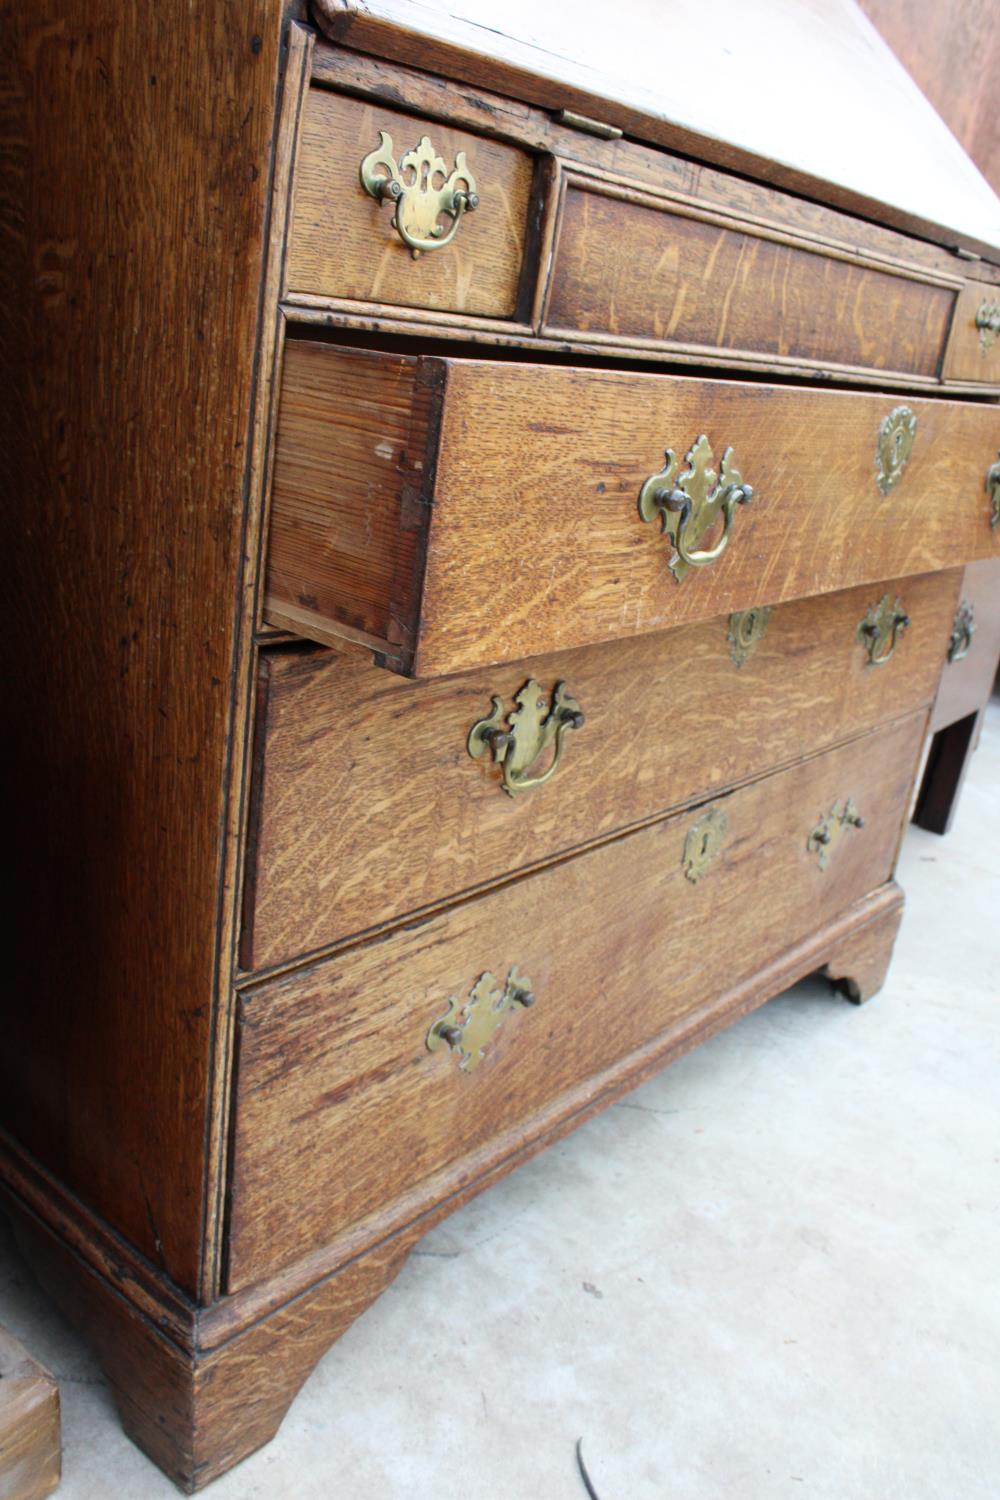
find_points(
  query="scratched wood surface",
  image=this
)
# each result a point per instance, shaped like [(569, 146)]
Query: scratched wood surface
[(726, 287), (840, 119), (966, 357), (30, 1446), (533, 538), (341, 241), (332, 1063), (131, 265), (367, 806)]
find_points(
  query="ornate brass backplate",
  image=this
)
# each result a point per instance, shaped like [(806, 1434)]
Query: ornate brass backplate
[(893, 448), (532, 727), (746, 628), (826, 835), (420, 203), (881, 628), (468, 1026), (988, 323), (962, 631), (702, 844), (690, 503), (993, 490)]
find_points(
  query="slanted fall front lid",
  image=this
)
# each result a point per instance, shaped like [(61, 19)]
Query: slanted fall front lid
[(805, 95)]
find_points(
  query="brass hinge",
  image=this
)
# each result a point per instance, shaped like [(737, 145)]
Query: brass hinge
[(585, 123)]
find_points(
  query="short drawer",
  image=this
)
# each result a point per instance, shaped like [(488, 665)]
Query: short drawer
[(629, 266), (367, 805), (342, 1113), (448, 513), (973, 353), (342, 243), (973, 651)]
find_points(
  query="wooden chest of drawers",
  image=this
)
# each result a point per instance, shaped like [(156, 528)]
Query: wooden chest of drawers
[(510, 536)]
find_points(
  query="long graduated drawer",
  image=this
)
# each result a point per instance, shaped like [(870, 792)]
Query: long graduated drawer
[(341, 1107), (368, 806), (449, 513)]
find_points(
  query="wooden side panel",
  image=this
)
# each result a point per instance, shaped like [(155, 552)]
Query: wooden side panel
[(966, 684), (347, 519), (342, 243), (967, 357), (536, 543), (370, 808), (137, 149), (340, 1108), (711, 285)]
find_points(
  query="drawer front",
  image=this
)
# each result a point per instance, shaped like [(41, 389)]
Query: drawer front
[(340, 1107), (368, 806), (342, 243), (710, 283), (973, 353), (505, 522), (974, 646)]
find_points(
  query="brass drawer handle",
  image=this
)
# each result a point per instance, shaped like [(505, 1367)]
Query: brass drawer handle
[(419, 204), (988, 323), (825, 837), (468, 1026), (881, 628), (689, 504), (962, 631), (532, 727), (993, 490), (893, 447)]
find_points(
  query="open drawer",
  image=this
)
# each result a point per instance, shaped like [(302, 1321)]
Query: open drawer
[(450, 513)]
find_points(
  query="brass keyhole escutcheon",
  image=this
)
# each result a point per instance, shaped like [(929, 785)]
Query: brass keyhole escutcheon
[(881, 628), (825, 837), (468, 1026), (894, 446), (691, 501), (419, 205), (703, 843), (533, 726), (746, 628)]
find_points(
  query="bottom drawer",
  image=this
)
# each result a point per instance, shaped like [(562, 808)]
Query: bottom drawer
[(341, 1108)]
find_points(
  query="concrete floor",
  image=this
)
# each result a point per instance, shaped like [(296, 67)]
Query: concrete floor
[(773, 1270)]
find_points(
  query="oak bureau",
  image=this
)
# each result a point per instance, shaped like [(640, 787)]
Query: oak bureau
[(490, 510)]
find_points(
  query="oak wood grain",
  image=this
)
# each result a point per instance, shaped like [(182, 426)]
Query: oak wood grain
[(533, 539), (214, 1389), (30, 1447), (888, 156), (368, 807), (134, 223), (722, 285), (617, 946), (342, 243)]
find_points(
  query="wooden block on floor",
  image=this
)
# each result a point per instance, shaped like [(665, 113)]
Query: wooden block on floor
[(30, 1447)]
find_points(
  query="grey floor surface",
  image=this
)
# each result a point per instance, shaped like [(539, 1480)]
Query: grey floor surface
[(774, 1270)]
